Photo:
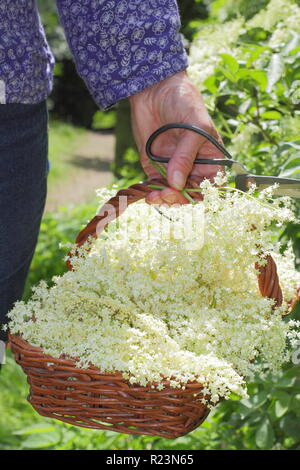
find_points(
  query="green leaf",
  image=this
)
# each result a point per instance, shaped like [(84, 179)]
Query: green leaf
[(259, 76), (246, 403), (292, 166), (289, 442), (255, 53), (290, 425), (282, 403), (252, 418), (228, 74), (294, 315), (293, 371), (210, 84), (294, 51), (292, 172), (35, 428), (230, 62), (259, 399), (287, 380), (293, 161), (264, 436), (41, 441), (255, 402), (273, 115), (295, 403), (245, 411)]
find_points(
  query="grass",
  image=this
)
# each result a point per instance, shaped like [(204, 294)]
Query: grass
[(63, 141)]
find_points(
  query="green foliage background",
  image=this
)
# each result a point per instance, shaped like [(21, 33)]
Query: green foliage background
[(252, 91)]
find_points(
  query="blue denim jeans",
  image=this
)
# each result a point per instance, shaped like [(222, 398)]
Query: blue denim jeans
[(23, 187)]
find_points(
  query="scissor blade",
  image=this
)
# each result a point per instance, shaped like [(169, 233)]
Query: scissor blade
[(287, 186), (286, 190)]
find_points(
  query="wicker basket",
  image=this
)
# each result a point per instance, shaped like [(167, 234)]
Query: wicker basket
[(92, 399)]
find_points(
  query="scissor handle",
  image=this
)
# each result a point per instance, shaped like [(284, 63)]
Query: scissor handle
[(190, 127)]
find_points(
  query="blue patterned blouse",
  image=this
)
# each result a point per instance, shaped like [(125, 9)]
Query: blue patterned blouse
[(120, 47)]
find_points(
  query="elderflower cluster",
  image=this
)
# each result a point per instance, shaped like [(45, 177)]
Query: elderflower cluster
[(156, 310), (205, 53), (280, 17)]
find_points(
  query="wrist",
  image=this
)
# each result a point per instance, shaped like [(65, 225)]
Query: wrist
[(152, 90)]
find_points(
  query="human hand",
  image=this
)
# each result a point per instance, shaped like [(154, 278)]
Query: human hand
[(174, 99)]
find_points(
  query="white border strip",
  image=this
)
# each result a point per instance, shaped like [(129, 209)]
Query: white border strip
[(2, 92)]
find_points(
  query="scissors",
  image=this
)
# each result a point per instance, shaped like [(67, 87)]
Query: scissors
[(243, 179)]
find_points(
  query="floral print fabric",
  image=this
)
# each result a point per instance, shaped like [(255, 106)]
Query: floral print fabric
[(120, 47)]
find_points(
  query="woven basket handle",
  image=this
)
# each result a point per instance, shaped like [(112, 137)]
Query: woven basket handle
[(113, 209), (268, 280)]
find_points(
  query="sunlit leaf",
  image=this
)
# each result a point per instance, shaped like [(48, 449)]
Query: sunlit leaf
[(282, 403), (271, 115), (35, 429), (41, 441), (230, 62)]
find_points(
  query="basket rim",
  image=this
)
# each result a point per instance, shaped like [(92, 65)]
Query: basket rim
[(62, 359), (18, 343)]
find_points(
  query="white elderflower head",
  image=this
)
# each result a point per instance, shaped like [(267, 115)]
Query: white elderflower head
[(148, 300)]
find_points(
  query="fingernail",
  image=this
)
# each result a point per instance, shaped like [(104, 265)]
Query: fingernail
[(152, 198), (178, 180), (170, 198)]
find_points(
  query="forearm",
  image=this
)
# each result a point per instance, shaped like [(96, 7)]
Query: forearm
[(121, 48)]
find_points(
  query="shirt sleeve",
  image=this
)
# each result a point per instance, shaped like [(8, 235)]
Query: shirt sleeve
[(121, 47)]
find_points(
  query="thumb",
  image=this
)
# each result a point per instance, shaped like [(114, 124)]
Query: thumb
[(182, 161)]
